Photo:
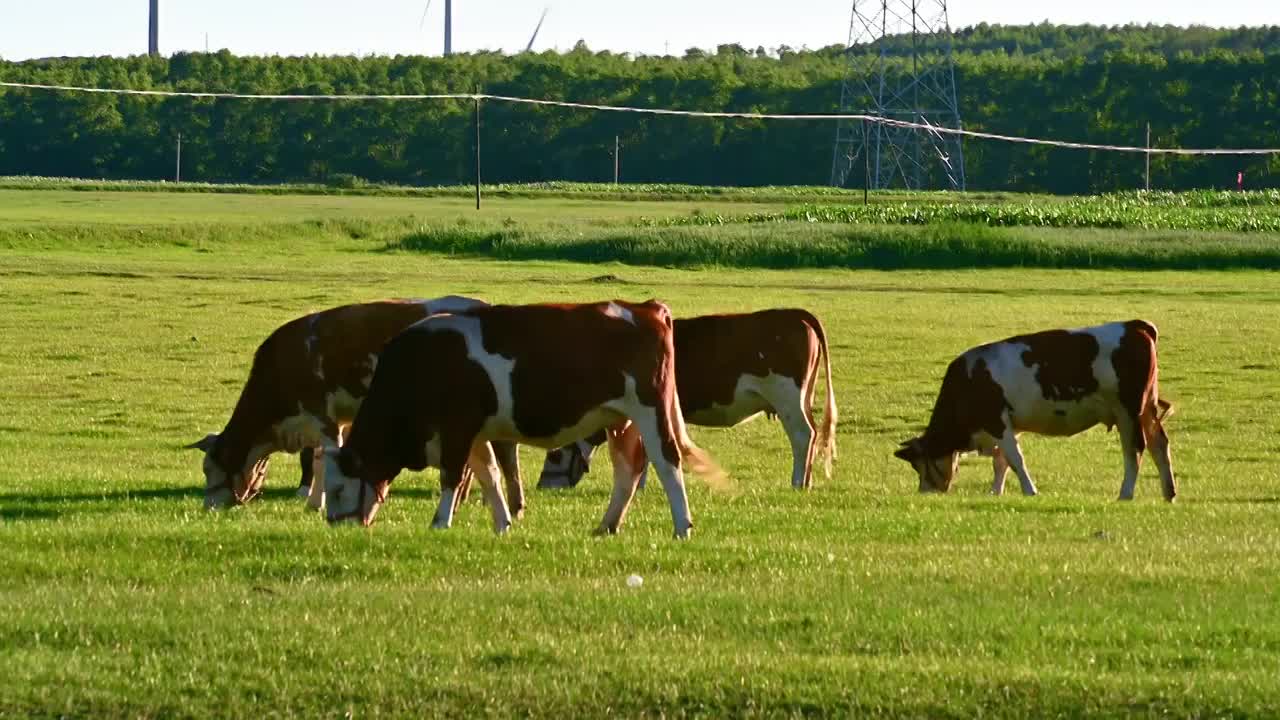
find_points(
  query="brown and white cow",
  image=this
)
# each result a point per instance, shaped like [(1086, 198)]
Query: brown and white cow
[(733, 368), (304, 388), (1058, 382), (450, 384)]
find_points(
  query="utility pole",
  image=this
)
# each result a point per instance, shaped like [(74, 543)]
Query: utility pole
[(153, 37), (866, 162), (448, 27), (477, 148), (617, 146), (177, 171)]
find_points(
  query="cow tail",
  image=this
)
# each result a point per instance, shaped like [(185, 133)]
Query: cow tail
[(1163, 408), (699, 461), (827, 431), (695, 459)]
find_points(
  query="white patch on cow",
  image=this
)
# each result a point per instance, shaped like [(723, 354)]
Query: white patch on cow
[(614, 310), (1029, 410), (752, 395), (319, 362), (1109, 337), (774, 393), (496, 367), (450, 304), (501, 424)]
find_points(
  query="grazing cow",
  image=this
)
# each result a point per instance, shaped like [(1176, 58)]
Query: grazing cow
[(1059, 382), (732, 368), (538, 374), (306, 383)]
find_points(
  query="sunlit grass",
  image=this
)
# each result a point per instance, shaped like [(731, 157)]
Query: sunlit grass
[(121, 597)]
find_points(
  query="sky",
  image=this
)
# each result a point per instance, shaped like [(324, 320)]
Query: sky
[(44, 28)]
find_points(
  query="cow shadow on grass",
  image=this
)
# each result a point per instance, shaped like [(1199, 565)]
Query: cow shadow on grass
[(18, 513), (1265, 500), (28, 507), (37, 499)]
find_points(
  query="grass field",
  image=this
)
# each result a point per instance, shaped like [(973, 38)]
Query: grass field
[(130, 322)]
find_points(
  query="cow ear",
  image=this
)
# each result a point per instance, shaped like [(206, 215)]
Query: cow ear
[(204, 444), (909, 451)]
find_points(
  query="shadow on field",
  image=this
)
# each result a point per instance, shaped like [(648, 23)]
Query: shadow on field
[(174, 493), (1018, 505), (1267, 500), (21, 514)]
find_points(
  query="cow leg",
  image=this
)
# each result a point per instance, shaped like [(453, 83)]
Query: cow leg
[(484, 465), (1131, 447), (454, 454), (1000, 468), (1158, 444), (508, 457), (463, 492), (627, 452), (669, 473), (464, 488), (799, 428), (1008, 446), (314, 457), (306, 460), (315, 495)]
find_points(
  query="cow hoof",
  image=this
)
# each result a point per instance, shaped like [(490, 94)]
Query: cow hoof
[(501, 530), (1171, 498), (517, 514), (439, 525), (604, 531), (1125, 498), (683, 535)]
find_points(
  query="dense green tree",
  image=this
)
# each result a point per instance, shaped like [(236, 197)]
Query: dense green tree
[(1196, 86)]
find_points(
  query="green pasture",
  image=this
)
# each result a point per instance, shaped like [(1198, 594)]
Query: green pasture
[(130, 321)]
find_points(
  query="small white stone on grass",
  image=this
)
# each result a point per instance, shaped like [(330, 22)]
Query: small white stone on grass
[(634, 581)]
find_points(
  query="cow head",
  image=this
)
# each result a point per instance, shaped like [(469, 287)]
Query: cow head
[(936, 470), (566, 466), (223, 488), (349, 497)]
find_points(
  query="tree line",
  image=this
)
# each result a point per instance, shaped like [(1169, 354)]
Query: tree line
[(1196, 87)]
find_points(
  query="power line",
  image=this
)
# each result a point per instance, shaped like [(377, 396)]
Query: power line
[(472, 97)]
